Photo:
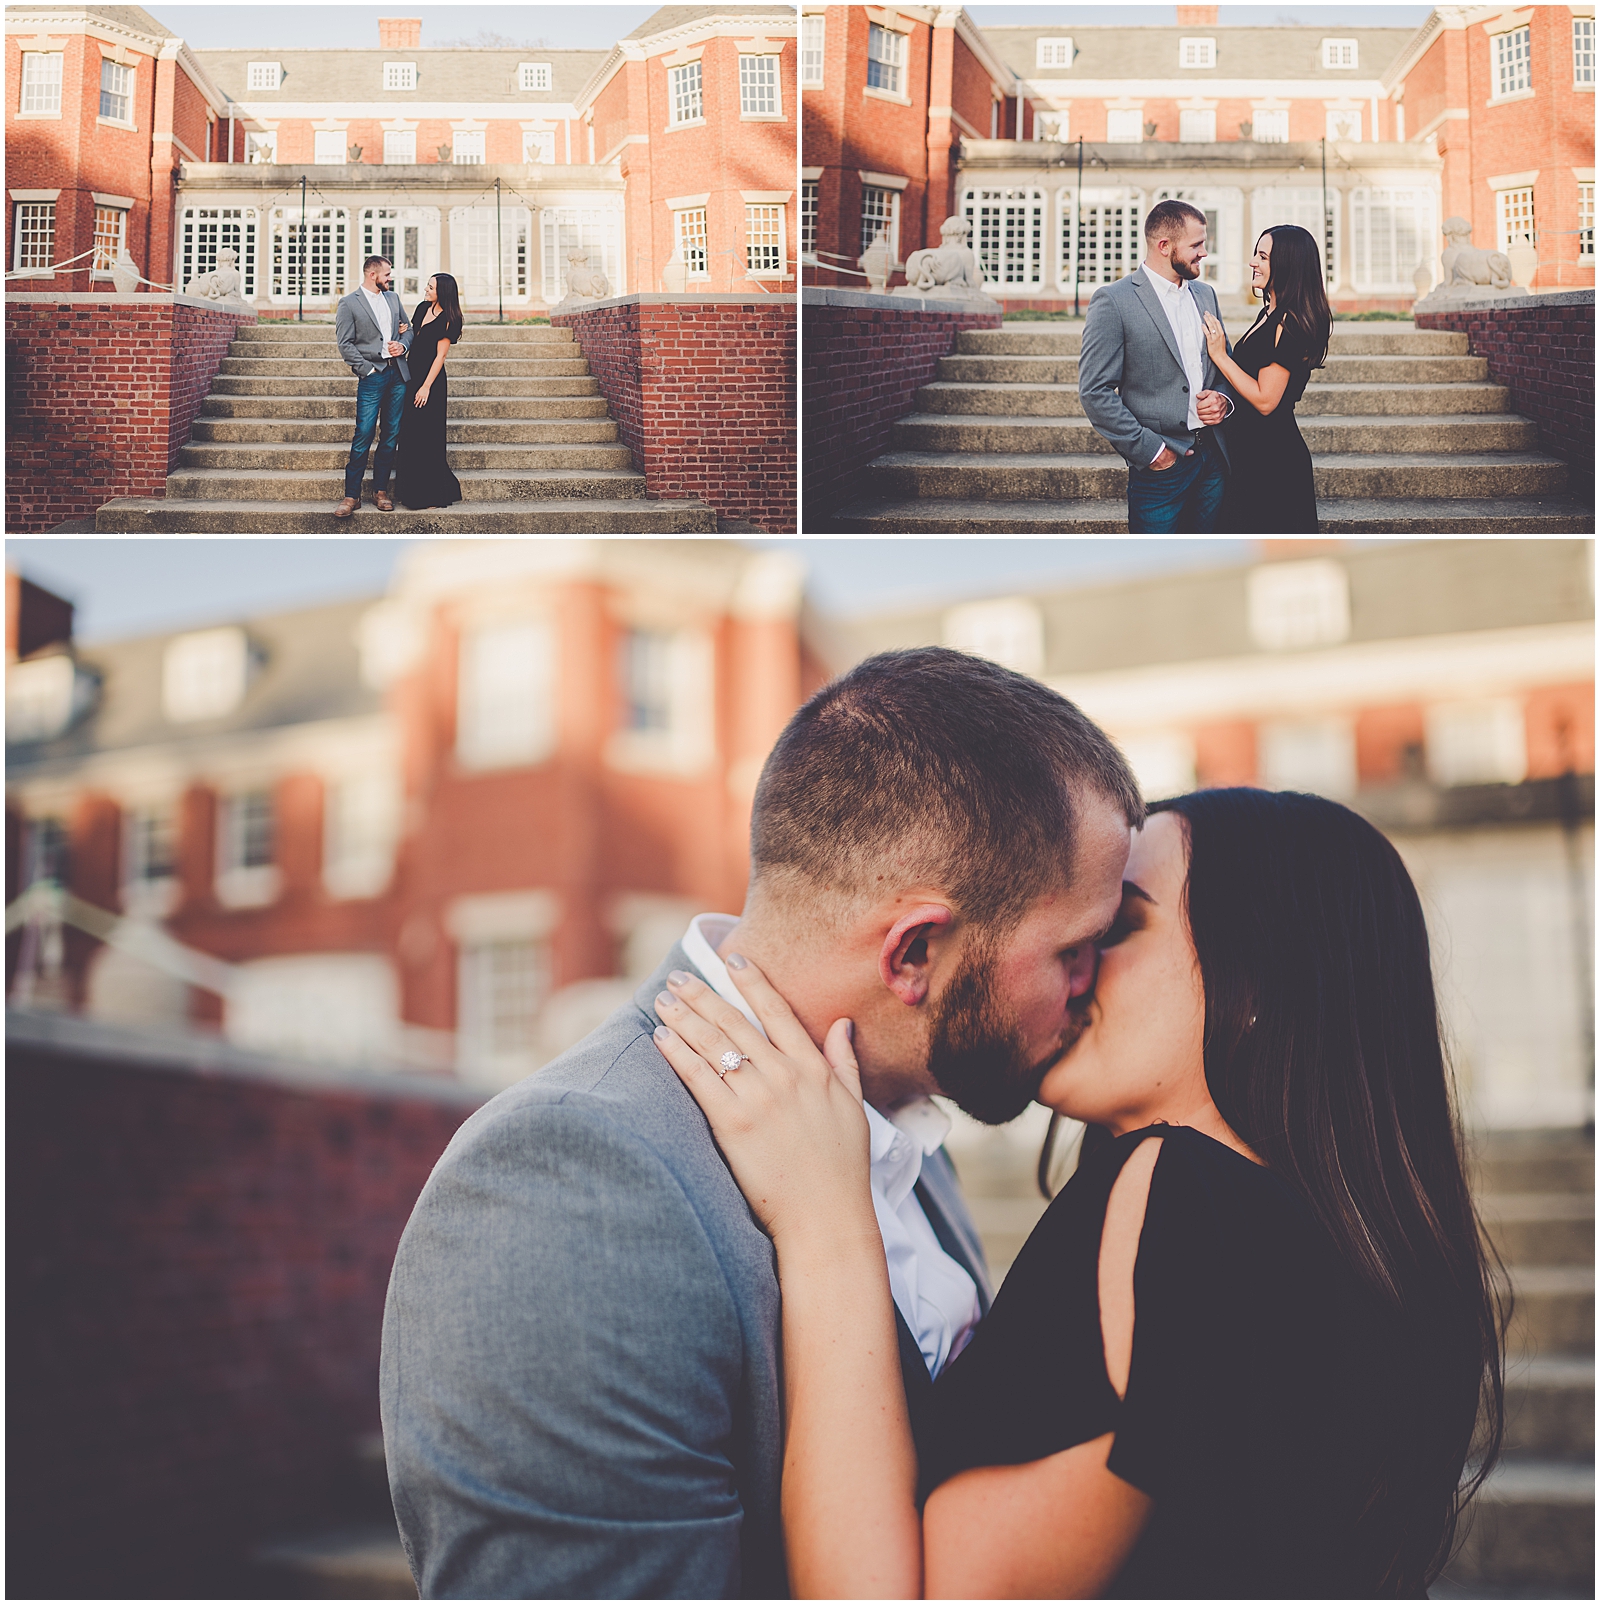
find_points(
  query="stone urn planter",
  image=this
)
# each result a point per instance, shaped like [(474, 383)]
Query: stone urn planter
[(1524, 257)]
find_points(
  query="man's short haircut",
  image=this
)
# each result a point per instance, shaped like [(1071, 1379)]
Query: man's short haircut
[(370, 260), (1168, 219), (932, 766)]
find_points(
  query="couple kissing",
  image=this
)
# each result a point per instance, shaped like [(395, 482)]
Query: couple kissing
[(1208, 430), (698, 1311)]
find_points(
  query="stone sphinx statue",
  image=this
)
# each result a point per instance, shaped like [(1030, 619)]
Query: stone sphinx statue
[(584, 283), (950, 272), (222, 283), (1464, 263)]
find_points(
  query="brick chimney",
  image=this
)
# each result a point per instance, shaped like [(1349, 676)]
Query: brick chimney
[(1188, 17), (405, 33)]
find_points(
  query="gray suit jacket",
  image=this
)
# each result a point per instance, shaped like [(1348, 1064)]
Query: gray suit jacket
[(361, 341), (580, 1379), (1130, 375)]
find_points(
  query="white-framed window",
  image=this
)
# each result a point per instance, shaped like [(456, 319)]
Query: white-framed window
[(360, 826), (116, 91), (1512, 62), (1197, 52), (1301, 204), (328, 147), (1108, 243), (247, 868), (505, 700), (683, 93), (1476, 743), (1338, 53), (1008, 630), (758, 87), (1008, 235), (809, 190), (1345, 124), (1124, 127), (813, 35), (1586, 222), (41, 83), (503, 985), (539, 146), (205, 230), (205, 674), (467, 147), (1197, 127), (1513, 217), (1315, 755), (472, 244), (263, 75), (667, 694), (1270, 127), (324, 249), (407, 237), (42, 698), (1296, 605), (579, 228), (399, 75), (1051, 125), (110, 230), (533, 78), (1162, 761), (886, 59), (1392, 231), (399, 147), (332, 1008), (35, 234), (763, 239), (261, 147), (880, 214), (1055, 52), (689, 240), (150, 858), (1583, 52)]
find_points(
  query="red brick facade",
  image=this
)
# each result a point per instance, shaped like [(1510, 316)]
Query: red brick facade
[(703, 392), (101, 392), (1544, 354), (863, 366)]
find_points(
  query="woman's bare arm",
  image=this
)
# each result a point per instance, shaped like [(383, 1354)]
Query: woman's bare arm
[(440, 353), (1265, 391)]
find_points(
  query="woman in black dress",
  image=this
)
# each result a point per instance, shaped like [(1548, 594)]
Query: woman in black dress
[(424, 478), (1271, 487), (1243, 1353)]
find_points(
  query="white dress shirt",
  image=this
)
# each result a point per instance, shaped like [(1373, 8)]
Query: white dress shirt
[(934, 1294), (1188, 329), (381, 315)]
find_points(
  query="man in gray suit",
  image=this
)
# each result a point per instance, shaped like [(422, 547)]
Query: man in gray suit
[(1147, 381), (373, 337), (581, 1375)]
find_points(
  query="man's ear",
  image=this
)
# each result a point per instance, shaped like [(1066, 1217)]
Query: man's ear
[(904, 963)]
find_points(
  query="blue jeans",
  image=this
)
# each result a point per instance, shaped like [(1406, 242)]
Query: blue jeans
[(377, 394), (1185, 498)]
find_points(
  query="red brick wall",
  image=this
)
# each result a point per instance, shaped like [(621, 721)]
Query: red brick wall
[(198, 1266), (1545, 355), (863, 366), (703, 393), (99, 397)]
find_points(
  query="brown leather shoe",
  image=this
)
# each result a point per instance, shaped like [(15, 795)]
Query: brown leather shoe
[(382, 501), (346, 508)]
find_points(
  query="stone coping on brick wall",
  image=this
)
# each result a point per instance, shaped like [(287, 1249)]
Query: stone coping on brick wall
[(688, 299), (239, 309), (194, 1053), (1512, 303), (817, 297)]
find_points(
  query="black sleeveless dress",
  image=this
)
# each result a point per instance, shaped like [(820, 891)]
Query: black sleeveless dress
[(1271, 490), (422, 475), (1258, 1389)]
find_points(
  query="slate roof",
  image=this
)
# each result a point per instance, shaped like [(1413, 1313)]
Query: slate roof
[(127, 16), (1144, 52), (670, 17)]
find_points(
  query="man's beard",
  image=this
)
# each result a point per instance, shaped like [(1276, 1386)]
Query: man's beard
[(977, 1058), (1185, 270)]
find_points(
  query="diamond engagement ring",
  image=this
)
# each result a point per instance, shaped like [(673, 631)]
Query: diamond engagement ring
[(731, 1060)]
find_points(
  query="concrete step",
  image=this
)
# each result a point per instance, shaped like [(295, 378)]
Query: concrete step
[(1010, 477), (465, 367), (1532, 1526), (1553, 1311), (1550, 1407), (941, 432), (300, 459), (306, 409), (617, 512), (300, 333), (1540, 1228), (1532, 1162), (363, 1561), (326, 351), (1400, 515), (227, 384), (458, 432), (1060, 369), (477, 485), (1323, 400), (1349, 340)]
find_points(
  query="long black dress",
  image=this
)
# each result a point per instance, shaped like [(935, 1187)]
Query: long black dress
[(1271, 490), (1263, 1384), (423, 477)]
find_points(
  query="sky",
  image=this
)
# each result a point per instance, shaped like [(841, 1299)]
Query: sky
[(131, 586), (1270, 13)]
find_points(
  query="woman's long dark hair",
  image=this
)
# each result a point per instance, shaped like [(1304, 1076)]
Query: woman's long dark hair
[(1323, 1052), (449, 294), (1295, 279)]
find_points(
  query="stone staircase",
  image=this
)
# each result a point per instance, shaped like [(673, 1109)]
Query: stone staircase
[(1406, 431), (530, 439)]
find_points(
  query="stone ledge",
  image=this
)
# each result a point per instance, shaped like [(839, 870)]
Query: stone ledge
[(655, 298), (820, 297), (164, 299), (1511, 303)]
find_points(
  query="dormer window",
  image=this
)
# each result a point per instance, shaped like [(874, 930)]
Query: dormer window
[(1055, 53), (1339, 53), (1197, 52), (205, 675), (533, 78), (263, 75), (399, 75)]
